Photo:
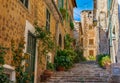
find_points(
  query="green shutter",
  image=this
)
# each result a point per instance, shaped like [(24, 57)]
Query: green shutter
[(60, 4)]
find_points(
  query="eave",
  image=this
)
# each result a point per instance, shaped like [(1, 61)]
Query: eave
[(74, 3), (54, 10)]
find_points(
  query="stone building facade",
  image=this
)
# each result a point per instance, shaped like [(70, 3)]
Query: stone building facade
[(113, 25), (101, 16), (106, 13), (76, 33), (17, 23), (89, 34)]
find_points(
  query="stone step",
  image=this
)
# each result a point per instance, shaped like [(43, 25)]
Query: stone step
[(88, 72), (76, 78), (80, 80)]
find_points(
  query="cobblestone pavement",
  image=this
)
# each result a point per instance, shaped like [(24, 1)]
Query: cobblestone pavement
[(87, 72)]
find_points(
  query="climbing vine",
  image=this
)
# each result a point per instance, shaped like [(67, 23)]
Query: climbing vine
[(45, 39), (18, 58), (3, 76), (68, 42)]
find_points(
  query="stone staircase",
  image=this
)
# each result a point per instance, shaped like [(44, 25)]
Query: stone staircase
[(81, 73)]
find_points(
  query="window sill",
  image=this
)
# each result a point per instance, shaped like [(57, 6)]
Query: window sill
[(11, 71)]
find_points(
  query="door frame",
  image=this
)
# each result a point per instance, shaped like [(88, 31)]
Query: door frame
[(30, 27)]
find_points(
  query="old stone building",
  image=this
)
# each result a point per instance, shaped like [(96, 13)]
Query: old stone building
[(113, 25), (89, 34), (101, 16), (76, 33), (17, 24), (106, 13)]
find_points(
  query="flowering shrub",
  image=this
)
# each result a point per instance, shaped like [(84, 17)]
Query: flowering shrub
[(91, 57), (104, 60), (3, 76), (18, 57)]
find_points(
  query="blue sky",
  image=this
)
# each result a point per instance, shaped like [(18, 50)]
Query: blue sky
[(82, 5)]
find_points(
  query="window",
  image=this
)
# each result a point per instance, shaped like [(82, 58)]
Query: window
[(60, 40), (91, 41), (31, 50), (60, 3), (25, 2), (91, 52), (47, 20)]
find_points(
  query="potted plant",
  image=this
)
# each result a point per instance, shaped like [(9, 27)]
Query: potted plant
[(105, 62), (63, 60), (49, 71), (60, 63)]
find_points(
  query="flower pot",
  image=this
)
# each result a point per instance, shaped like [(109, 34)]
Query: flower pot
[(43, 78), (48, 73), (60, 68)]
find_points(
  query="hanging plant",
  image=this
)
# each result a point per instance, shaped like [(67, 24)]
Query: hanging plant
[(63, 12), (72, 25)]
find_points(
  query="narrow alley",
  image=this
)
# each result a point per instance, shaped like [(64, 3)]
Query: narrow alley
[(85, 72), (60, 41)]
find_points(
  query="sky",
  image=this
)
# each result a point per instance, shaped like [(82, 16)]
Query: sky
[(82, 5)]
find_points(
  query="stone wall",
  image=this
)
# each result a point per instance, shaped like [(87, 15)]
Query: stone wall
[(101, 16), (89, 34), (13, 22)]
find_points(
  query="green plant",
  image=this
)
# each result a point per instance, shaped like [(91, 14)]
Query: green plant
[(63, 12), (103, 59), (64, 58), (45, 38), (68, 42), (2, 54), (50, 66), (79, 57), (72, 25), (3, 77), (91, 57), (18, 57)]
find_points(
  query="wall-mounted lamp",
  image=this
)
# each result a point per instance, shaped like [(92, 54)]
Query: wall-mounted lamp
[(94, 22)]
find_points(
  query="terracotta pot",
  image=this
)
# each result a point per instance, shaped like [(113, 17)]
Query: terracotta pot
[(48, 73), (60, 68), (43, 78)]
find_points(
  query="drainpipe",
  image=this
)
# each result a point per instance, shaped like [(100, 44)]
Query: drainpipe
[(110, 43)]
